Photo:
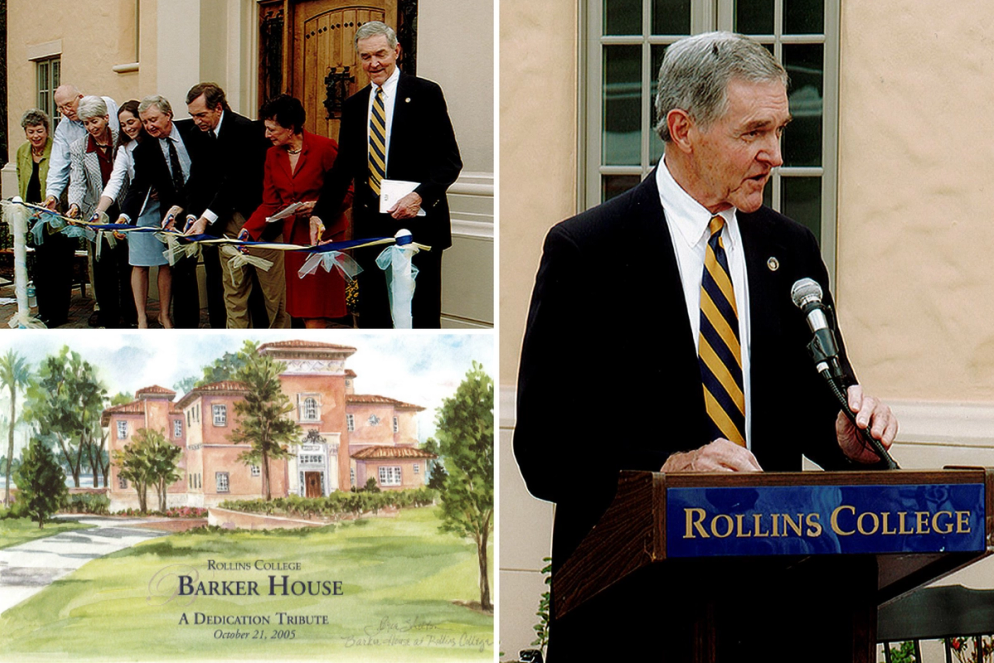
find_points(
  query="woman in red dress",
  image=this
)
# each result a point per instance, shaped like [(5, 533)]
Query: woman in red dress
[(295, 169)]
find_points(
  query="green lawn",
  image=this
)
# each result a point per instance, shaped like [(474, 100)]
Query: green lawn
[(395, 573), (14, 531)]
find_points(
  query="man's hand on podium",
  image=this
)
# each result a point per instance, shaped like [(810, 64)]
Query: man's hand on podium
[(719, 456), (870, 414)]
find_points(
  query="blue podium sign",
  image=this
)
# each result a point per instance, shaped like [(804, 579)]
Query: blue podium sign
[(824, 520)]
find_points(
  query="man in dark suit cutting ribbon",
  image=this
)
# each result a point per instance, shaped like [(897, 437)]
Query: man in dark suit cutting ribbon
[(397, 128), (706, 365)]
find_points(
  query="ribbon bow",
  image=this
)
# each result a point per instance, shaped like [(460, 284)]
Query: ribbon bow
[(348, 267)]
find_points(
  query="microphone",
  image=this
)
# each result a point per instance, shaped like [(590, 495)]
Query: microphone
[(806, 295)]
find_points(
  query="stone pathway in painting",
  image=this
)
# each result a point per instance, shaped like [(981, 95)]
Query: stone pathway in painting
[(28, 568)]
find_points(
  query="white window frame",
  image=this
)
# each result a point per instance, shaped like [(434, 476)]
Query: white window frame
[(705, 15), (350, 423), (256, 471), (417, 468), (222, 410), (391, 476), (312, 413), (122, 429), (396, 424), (122, 483), (45, 89), (221, 482), (177, 428)]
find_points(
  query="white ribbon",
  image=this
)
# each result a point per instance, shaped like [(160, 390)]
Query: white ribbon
[(347, 267), (396, 262), (174, 250), (17, 221), (238, 260)]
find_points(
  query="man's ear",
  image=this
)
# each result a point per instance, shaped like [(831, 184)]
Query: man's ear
[(680, 126)]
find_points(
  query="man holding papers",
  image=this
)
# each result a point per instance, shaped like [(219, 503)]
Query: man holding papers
[(394, 133)]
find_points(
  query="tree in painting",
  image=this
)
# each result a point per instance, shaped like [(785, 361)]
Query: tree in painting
[(466, 440), (14, 375), (263, 423), (41, 483)]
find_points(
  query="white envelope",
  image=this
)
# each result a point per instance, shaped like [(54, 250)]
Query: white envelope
[(393, 190)]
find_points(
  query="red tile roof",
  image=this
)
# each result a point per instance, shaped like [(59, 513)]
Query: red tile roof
[(134, 407), (224, 387), (383, 400), (154, 390), (299, 345), (372, 453)]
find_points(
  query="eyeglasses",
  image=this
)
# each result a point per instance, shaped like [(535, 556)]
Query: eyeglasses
[(69, 104)]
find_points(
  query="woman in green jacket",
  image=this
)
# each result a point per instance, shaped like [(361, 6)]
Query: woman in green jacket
[(53, 257)]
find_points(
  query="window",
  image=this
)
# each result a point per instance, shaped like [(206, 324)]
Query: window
[(309, 409), (122, 430), (221, 478), (49, 73), (256, 471), (373, 420), (220, 415), (177, 428), (625, 43), (352, 476), (396, 425), (349, 423), (417, 469), (389, 476), (122, 483)]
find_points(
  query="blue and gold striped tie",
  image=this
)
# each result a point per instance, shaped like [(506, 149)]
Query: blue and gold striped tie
[(377, 143), (719, 353)]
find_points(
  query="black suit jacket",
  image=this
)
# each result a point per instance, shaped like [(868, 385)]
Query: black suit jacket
[(229, 169), (609, 377), (151, 170), (422, 149)]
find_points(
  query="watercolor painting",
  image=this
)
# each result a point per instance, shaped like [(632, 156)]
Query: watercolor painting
[(246, 496)]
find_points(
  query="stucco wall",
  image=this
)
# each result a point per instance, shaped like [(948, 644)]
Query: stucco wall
[(538, 173), (538, 150), (916, 175)]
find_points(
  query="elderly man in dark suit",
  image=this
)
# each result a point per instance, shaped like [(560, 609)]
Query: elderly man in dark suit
[(228, 189), (696, 270), (417, 145), (166, 166)]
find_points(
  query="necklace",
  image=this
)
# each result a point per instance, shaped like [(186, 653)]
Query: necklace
[(296, 151)]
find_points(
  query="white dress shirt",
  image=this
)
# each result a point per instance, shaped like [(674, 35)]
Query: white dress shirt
[(389, 101), (184, 156), (688, 221)]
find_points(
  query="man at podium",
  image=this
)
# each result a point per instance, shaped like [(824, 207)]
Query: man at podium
[(704, 366)]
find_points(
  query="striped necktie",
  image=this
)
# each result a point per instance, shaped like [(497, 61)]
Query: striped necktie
[(377, 143), (720, 355)]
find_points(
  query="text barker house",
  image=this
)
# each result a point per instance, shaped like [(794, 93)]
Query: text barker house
[(347, 438)]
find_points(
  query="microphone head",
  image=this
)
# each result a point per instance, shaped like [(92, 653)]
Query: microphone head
[(804, 292)]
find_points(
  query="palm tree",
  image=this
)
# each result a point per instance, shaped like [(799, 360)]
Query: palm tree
[(14, 374)]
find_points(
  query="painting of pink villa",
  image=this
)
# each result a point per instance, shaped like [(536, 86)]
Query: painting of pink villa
[(347, 438)]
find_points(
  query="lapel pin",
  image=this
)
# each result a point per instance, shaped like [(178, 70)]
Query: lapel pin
[(773, 263)]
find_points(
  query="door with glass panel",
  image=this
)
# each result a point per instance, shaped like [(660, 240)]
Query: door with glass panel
[(626, 40)]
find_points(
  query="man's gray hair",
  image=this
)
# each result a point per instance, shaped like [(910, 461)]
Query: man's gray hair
[(696, 71), (90, 107), (156, 100), (373, 28), (33, 117)]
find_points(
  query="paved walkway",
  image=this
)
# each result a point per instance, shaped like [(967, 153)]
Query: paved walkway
[(28, 568)]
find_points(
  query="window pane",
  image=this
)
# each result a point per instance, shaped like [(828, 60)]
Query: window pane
[(802, 139), (671, 17), (622, 96), (802, 201), (754, 17), (622, 17), (803, 17), (655, 142), (612, 185)]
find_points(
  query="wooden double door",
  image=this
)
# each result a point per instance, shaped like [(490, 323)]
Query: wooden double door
[(307, 50)]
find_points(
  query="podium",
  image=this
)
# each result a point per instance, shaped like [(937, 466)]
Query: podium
[(767, 566)]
